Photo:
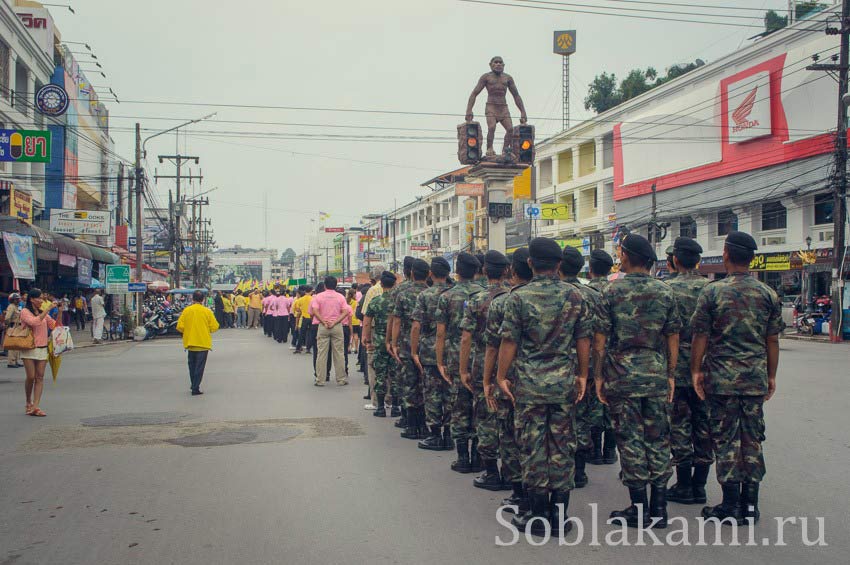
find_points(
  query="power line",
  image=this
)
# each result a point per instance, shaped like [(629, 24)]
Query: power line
[(645, 10)]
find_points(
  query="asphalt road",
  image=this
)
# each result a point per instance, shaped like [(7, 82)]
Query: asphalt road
[(265, 468)]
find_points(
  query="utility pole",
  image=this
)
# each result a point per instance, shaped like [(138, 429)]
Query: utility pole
[(197, 215), (840, 180), (179, 161), (653, 218), (140, 245)]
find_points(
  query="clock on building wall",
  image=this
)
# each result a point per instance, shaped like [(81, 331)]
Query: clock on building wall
[(52, 100)]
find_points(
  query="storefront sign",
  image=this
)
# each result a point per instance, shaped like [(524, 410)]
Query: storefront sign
[(469, 189), (420, 247), (522, 185), (20, 205), (52, 100), (24, 146), (79, 222), (84, 271), (137, 287), (771, 262), (334, 230), (19, 253), (117, 279), (469, 219)]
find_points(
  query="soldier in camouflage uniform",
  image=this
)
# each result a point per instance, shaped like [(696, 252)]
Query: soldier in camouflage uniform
[(690, 441), (374, 338), (672, 273), (734, 357), (395, 375), (639, 314), (504, 408), (423, 337), (571, 264), (411, 378), (546, 335), (449, 313), (600, 267), (472, 348)]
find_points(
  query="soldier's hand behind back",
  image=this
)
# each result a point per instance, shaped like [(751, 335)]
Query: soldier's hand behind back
[(698, 379), (581, 389), (771, 388), (600, 394), (671, 389), (505, 385)]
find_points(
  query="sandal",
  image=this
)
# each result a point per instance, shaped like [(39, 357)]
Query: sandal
[(38, 412), (29, 409)]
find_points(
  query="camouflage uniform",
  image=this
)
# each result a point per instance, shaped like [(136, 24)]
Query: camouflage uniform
[(545, 318), (508, 440), (436, 390), (394, 374), (737, 314), (450, 306), (638, 313), (690, 441), (378, 310), (410, 380), (474, 321), (599, 414)]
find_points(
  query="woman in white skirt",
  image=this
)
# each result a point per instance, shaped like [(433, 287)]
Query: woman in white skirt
[(35, 360)]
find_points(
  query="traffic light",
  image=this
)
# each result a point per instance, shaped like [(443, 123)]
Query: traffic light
[(469, 143), (522, 146)]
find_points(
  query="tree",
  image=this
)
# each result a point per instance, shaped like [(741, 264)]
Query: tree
[(287, 257), (774, 22), (604, 93), (802, 10)]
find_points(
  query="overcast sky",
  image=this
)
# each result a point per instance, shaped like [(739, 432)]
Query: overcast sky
[(402, 55)]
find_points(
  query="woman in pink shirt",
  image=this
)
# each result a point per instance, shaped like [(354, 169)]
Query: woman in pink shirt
[(35, 360)]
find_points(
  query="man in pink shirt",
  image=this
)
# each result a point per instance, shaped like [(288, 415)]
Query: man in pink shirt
[(268, 321), (329, 311), (280, 307)]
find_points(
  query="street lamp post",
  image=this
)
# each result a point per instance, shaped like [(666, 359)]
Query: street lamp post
[(806, 285)]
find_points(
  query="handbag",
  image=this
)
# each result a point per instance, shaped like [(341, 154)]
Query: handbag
[(19, 338)]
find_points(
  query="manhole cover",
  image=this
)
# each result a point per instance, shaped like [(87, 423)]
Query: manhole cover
[(136, 419), (215, 439)]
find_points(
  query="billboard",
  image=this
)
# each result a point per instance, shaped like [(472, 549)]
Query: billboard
[(564, 42), (232, 274), (80, 222)]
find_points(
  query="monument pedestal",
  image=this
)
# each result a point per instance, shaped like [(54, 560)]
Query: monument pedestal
[(498, 180)]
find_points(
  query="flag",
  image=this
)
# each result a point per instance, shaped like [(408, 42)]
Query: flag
[(323, 215)]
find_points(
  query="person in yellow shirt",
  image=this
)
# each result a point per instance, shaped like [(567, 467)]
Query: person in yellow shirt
[(255, 306), (305, 321), (197, 324), (241, 306), (355, 321), (228, 310)]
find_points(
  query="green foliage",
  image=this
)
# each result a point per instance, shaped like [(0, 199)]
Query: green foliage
[(802, 10), (604, 93), (773, 21), (288, 256)]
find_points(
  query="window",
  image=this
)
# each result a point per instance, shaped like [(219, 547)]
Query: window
[(4, 70), (595, 198), (608, 151), (726, 222), (823, 209), (688, 227), (773, 216)]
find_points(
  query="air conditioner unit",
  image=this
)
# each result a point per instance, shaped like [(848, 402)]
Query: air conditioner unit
[(825, 235)]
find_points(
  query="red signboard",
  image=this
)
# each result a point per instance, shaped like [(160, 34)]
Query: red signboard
[(334, 230), (420, 247)]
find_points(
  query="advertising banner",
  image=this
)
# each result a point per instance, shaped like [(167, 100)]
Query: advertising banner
[(24, 146), (20, 205), (771, 262), (84, 271), (79, 222), (522, 185), (19, 253)]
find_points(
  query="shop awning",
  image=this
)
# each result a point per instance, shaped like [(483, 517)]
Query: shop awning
[(102, 255), (45, 247)]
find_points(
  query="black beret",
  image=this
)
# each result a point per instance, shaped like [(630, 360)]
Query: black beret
[(520, 257), (387, 278), (480, 257), (440, 267), (495, 259), (544, 248), (670, 249), (408, 262), (467, 260), (601, 257), (742, 240), (687, 245), (639, 245), (572, 259), (420, 267)]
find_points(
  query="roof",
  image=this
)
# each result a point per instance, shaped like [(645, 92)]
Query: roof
[(450, 177)]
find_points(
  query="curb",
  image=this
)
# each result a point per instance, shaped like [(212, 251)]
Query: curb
[(813, 339)]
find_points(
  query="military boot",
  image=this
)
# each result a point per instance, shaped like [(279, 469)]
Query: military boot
[(434, 441), (609, 452), (658, 506), (401, 422), (698, 483), (395, 411), (730, 507), (517, 498), (596, 437), (461, 465), (448, 444), (412, 429), (424, 432), (475, 457), (381, 410), (534, 519), (490, 478), (558, 515), (638, 511), (750, 501), (683, 491), (580, 474)]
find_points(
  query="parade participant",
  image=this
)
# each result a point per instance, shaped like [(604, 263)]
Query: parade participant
[(449, 314), (35, 316), (241, 305), (637, 381), (306, 322), (197, 324), (600, 264), (409, 373), (228, 310), (351, 297), (394, 376), (255, 307), (329, 310), (572, 263), (472, 349), (734, 358), (374, 330), (295, 318), (268, 319), (672, 273), (690, 442), (546, 338), (508, 434), (423, 336)]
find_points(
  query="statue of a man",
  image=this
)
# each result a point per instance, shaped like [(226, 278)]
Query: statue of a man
[(497, 83)]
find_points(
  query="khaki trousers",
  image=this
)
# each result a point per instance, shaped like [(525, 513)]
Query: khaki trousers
[(370, 368), (333, 340)]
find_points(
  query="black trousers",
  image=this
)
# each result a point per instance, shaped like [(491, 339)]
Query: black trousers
[(307, 338), (197, 364), (346, 337), (281, 328), (220, 318), (80, 319)]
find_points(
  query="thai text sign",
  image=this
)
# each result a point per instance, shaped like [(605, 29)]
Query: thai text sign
[(24, 146), (469, 189), (79, 222), (771, 262)]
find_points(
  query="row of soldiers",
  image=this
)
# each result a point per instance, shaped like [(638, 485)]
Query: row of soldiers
[(516, 360)]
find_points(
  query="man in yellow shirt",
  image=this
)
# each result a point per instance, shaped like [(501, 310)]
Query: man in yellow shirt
[(197, 324), (241, 306), (255, 306), (305, 320), (228, 310)]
